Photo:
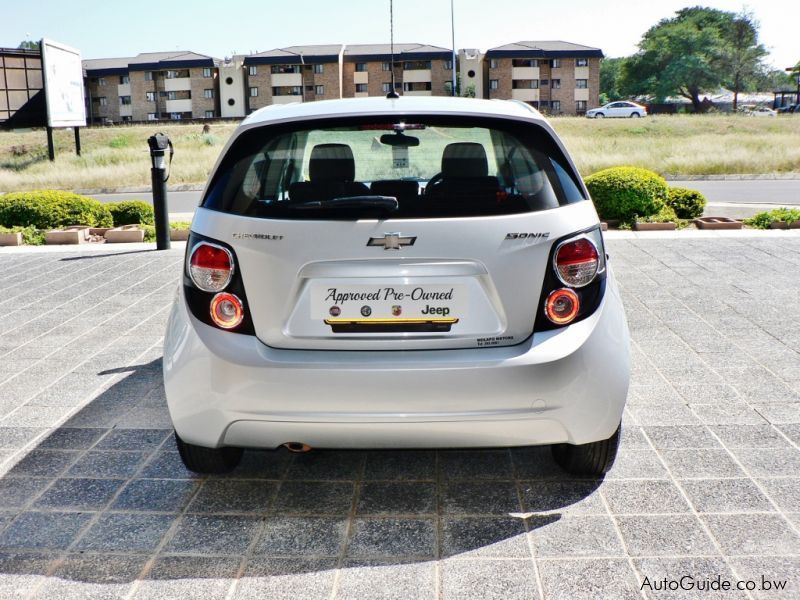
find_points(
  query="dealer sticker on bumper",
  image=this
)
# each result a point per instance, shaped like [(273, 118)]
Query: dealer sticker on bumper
[(400, 302)]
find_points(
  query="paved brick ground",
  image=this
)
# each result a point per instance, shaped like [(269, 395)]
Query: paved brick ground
[(94, 501)]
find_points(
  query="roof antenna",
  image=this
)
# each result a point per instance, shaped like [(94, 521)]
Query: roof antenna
[(393, 92)]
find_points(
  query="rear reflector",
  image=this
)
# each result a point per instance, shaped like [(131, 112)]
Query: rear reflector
[(562, 306), (210, 267), (226, 310), (576, 262)]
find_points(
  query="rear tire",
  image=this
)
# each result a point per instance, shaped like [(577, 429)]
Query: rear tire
[(595, 458), (635, 115), (599, 116), (208, 460)]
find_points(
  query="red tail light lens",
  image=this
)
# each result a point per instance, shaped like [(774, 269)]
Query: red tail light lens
[(210, 267), (562, 306), (227, 310), (577, 262)]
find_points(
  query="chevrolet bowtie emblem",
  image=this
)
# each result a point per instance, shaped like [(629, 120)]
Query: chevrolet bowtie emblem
[(392, 241)]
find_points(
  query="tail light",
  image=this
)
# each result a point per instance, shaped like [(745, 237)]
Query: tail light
[(562, 306), (577, 262), (227, 311), (210, 267)]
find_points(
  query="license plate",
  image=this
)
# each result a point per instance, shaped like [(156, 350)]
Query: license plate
[(388, 302)]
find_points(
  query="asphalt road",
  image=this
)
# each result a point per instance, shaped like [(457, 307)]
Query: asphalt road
[(731, 198)]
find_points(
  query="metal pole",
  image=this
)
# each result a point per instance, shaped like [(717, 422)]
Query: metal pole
[(453, 32), (51, 149), (158, 146), (78, 141)]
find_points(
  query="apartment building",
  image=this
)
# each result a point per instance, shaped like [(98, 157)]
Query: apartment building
[(152, 86), (554, 76)]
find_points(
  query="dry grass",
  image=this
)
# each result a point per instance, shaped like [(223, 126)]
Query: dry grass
[(671, 145)]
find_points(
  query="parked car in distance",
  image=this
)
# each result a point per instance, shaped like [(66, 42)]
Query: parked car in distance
[(789, 109), (396, 273), (760, 111), (622, 108)]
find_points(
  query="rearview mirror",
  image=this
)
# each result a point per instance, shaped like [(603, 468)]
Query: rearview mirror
[(399, 140)]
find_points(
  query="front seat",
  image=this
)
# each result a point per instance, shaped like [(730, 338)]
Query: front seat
[(331, 174), (464, 176)]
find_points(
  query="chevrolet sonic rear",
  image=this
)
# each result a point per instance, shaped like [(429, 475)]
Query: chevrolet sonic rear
[(396, 273)]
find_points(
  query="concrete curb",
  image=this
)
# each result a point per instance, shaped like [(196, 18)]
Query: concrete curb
[(736, 177), (186, 187)]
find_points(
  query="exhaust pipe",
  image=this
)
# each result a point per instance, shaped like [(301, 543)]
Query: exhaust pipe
[(297, 447)]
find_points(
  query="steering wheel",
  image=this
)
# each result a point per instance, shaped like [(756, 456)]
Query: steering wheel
[(433, 181)]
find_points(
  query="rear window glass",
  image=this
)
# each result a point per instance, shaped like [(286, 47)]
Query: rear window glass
[(398, 167)]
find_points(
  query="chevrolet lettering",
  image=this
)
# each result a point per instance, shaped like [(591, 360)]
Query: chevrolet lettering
[(412, 272)]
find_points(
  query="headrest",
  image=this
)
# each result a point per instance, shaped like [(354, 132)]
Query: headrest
[(464, 159), (332, 162)]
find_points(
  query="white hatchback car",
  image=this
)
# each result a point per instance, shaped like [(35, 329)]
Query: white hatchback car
[(618, 109), (396, 273)]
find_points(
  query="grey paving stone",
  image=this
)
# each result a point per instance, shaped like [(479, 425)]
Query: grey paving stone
[(18, 437), (106, 463), (662, 535), (392, 537), (155, 495), (139, 440), (779, 413), (681, 436), (22, 572), (264, 464), (326, 465), (678, 414), (71, 438), (475, 464), (302, 536), (126, 532), (588, 579), (726, 495), (701, 463), (750, 436), (754, 534), (686, 578), (792, 432), (740, 414), (566, 497), (396, 498), (485, 537), (287, 578), (418, 465), (44, 463), (777, 570), (43, 530), (81, 494), (213, 534), (760, 462), (642, 496), (315, 498), (488, 579), (784, 491), (89, 577), (189, 577), (16, 492), (637, 464), (574, 536), (167, 464), (535, 462), (217, 496), (386, 580), (480, 498)]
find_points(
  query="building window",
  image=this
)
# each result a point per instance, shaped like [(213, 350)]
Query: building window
[(556, 84), (207, 72), (208, 93), (150, 96), (319, 69), (176, 116), (127, 119), (417, 65), (101, 81), (253, 92), (417, 86), (252, 70), (361, 88), (209, 114), (151, 116), (386, 66), (103, 101), (525, 62), (173, 74), (543, 104), (492, 63), (361, 67), (493, 84), (276, 69), (125, 100), (556, 63), (581, 84), (448, 64), (525, 84), (172, 95), (555, 105), (580, 105), (319, 90), (148, 76), (387, 87), (544, 82), (581, 62), (124, 80)]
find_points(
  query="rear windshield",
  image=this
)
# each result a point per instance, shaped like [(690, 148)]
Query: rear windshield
[(397, 167)]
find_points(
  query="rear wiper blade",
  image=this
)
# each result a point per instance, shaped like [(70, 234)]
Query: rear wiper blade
[(388, 203)]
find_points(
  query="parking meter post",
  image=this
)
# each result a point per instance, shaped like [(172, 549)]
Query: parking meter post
[(158, 146)]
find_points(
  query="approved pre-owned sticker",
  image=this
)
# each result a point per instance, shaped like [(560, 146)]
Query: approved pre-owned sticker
[(388, 302)]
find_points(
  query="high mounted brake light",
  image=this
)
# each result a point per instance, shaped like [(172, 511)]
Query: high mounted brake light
[(210, 267)]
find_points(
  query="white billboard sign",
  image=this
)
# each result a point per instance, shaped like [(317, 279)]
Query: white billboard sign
[(63, 85)]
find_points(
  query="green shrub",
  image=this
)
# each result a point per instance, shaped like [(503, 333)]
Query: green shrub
[(131, 212), (626, 192), (688, 204), (149, 233), (180, 225), (30, 235), (764, 219), (49, 209), (665, 215)]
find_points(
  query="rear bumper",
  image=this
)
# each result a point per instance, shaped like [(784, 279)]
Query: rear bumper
[(565, 386)]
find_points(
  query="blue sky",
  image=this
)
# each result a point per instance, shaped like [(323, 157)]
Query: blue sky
[(107, 28)]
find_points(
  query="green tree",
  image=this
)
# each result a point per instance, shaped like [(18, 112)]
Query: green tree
[(28, 45), (698, 50), (610, 71)]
